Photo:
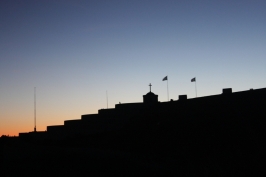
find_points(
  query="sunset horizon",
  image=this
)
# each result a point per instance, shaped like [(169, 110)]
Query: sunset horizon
[(74, 52)]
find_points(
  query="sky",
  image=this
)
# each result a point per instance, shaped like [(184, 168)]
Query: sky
[(76, 52)]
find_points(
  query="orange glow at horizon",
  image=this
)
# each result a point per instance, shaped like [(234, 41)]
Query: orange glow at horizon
[(26, 123)]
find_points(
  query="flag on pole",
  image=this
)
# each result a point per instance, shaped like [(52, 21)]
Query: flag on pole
[(193, 80), (166, 79)]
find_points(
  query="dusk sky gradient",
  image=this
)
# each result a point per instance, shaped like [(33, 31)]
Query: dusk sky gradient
[(75, 51)]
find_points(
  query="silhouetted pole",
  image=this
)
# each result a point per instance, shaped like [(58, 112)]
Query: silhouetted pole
[(34, 109), (166, 78), (196, 88), (167, 91), (194, 80), (107, 98)]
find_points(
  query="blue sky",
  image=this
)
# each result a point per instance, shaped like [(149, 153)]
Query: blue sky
[(75, 51)]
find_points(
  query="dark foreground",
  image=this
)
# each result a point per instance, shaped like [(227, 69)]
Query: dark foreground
[(222, 135), (230, 152)]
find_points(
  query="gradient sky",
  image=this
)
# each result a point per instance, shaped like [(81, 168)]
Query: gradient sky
[(75, 51)]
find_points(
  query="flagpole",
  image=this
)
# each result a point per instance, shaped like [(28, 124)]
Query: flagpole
[(166, 78), (167, 90), (196, 87)]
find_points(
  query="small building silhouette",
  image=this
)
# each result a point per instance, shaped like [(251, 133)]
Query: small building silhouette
[(150, 97)]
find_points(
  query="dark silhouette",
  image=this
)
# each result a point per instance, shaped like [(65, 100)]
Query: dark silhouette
[(219, 135)]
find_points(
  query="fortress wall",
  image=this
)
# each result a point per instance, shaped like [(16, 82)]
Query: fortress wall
[(41, 135), (129, 106), (56, 132), (72, 122), (106, 111), (55, 128), (89, 117), (198, 117)]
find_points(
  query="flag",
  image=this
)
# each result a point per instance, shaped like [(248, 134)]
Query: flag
[(193, 80), (165, 78)]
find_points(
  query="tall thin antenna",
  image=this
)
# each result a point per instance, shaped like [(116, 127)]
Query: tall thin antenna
[(107, 98), (34, 109)]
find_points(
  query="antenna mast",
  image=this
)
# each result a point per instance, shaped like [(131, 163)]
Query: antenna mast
[(34, 109), (107, 98)]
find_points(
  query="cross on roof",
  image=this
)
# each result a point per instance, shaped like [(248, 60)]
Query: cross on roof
[(150, 87)]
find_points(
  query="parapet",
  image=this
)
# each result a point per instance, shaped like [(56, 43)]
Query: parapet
[(55, 128), (89, 116), (227, 90), (72, 122), (106, 111), (182, 97)]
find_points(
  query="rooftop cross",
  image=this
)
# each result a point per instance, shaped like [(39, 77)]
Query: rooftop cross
[(150, 87)]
